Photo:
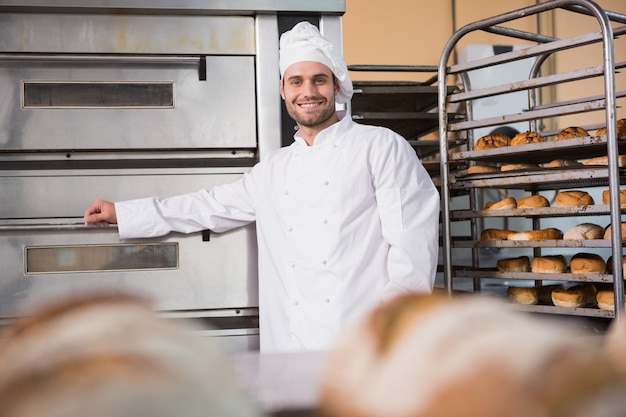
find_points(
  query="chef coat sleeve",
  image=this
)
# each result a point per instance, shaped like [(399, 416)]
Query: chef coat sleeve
[(219, 209), (408, 205)]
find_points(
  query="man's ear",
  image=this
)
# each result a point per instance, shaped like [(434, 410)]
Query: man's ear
[(281, 89)]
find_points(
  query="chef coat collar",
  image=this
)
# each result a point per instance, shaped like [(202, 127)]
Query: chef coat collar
[(329, 135)]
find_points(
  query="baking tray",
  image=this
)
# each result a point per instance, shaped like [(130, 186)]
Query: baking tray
[(543, 152), (590, 210), (539, 179)]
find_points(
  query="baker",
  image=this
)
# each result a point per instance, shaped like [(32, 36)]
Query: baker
[(346, 216)]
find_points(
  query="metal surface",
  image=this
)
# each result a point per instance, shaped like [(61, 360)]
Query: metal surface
[(538, 179), (181, 6)]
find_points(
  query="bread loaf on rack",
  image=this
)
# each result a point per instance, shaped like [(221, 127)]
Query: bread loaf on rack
[(522, 295), (608, 232), (543, 234), (533, 201), (504, 204), (573, 198), (519, 264), (492, 141), (606, 300), (580, 295), (524, 138), (559, 163), (570, 133), (587, 263), (621, 129), (584, 231), (495, 234), (515, 167), (482, 169), (606, 198), (604, 161), (539, 294), (549, 264)]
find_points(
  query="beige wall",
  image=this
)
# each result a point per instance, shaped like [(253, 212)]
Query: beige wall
[(415, 32)]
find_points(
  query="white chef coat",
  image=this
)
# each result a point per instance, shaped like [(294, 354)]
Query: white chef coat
[(342, 226)]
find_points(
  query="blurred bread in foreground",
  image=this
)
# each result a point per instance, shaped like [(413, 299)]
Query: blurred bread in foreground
[(111, 356), (431, 356)]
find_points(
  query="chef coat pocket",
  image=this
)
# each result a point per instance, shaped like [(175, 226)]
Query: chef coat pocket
[(390, 209)]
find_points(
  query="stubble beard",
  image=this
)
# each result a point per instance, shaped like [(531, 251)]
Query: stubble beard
[(312, 120)]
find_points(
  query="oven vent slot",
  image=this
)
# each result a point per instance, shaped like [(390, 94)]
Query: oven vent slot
[(56, 94)]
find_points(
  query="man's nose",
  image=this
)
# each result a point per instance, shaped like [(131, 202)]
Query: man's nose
[(310, 88)]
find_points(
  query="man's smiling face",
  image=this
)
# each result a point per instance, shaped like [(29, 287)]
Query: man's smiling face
[(309, 90)]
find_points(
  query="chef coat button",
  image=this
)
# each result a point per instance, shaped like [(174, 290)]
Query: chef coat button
[(286, 192), (327, 300), (324, 262), (326, 182), (290, 229), (292, 265), (295, 302), (325, 221)]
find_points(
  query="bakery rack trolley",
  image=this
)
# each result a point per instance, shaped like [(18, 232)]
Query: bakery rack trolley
[(532, 180)]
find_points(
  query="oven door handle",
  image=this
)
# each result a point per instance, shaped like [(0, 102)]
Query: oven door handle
[(118, 59), (46, 225)]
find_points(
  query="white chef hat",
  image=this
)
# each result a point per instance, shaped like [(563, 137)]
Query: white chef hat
[(304, 42)]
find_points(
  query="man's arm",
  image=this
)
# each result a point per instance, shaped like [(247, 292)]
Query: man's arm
[(409, 210)]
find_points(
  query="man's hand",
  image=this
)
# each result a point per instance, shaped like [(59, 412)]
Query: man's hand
[(101, 214)]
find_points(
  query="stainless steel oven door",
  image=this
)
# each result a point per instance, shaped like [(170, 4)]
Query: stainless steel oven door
[(131, 82), (48, 253)]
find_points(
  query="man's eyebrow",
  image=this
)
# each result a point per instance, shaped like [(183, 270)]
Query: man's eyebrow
[(297, 76)]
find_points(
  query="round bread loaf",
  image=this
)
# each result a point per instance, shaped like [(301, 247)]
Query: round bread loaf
[(604, 161), (573, 198), (606, 300), (571, 132), (524, 138), (495, 234), (543, 234), (621, 129), (606, 198), (558, 163), (608, 233), (587, 263), (492, 141), (504, 204), (522, 295), (533, 201), (519, 264), (482, 169), (549, 264), (579, 295), (584, 231)]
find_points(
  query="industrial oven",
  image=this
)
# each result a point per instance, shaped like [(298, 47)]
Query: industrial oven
[(121, 100)]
